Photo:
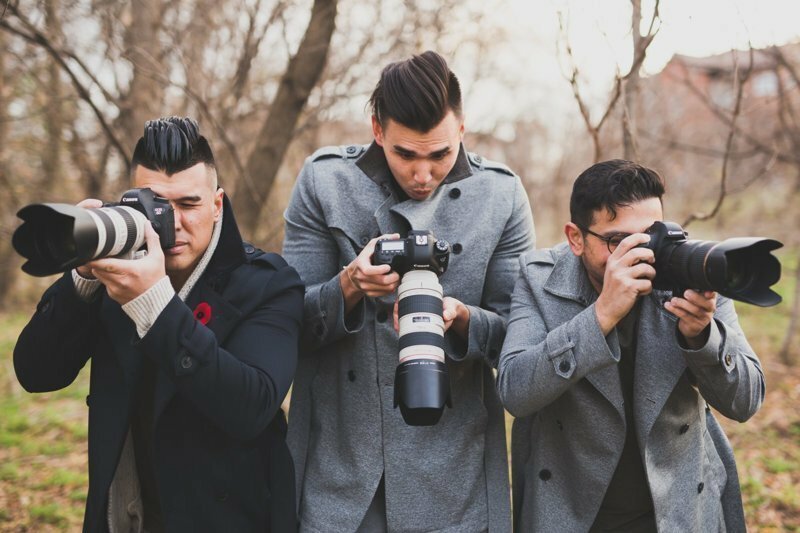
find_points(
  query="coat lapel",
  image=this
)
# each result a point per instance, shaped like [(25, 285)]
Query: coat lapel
[(224, 317), (659, 364), (568, 280)]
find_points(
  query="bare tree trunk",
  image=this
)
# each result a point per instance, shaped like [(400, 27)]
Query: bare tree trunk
[(54, 114), (631, 87), (143, 49), (273, 140), (7, 256), (794, 322)]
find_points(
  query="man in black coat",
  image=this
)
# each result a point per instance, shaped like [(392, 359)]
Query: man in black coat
[(193, 349)]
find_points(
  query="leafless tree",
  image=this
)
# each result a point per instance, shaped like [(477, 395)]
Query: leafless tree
[(627, 84)]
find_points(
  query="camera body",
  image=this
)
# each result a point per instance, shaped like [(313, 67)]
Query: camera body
[(59, 237), (421, 381), (157, 209), (418, 251), (741, 268)]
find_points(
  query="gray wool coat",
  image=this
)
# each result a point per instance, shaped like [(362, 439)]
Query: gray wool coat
[(344, 432), (559, 375)]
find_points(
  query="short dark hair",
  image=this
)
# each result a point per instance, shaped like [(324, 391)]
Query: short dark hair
[(172, 144), (610, 185), (417, 92)]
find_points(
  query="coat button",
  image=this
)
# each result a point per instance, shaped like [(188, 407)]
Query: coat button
[(45, 306), (249, 249), (564, 366), (351, 150), (186, 362), (351, 375), (700, 487), (382, 316), (478, 159), (455, 193), (728, 360), (545, 474), (364, 240), (684, 429), (457, 248)]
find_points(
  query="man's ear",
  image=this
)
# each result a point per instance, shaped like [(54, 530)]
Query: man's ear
[(218, 194), (574, 238), (377, 131)]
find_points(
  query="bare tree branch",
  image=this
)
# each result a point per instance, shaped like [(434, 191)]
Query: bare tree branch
[(34, 36), (739, 87)]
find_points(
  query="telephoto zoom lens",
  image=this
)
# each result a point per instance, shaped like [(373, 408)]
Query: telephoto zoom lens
[(58, 237), (422, 385)]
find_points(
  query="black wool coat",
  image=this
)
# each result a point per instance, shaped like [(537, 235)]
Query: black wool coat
[(220, 458)]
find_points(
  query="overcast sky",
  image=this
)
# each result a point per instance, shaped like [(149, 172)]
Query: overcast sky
[(599, 33)]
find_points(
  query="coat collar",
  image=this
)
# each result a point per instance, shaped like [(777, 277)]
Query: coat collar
[(398, 211), (373, 164), (568, 279)]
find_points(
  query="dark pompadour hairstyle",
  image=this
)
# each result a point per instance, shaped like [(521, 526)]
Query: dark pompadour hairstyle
[(610, 185), (417, 92), (172, 144)]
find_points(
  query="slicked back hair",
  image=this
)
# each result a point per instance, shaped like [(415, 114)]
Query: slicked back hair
[(611, 185), (416, 93), (170, 145)]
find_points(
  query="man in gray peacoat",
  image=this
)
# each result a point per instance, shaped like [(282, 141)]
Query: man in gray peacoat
[(359, 465), (612, 431)]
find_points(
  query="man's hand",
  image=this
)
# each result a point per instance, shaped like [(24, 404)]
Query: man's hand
[(454, 313), (695, 312), (89, 203), (629, 273), (361, 278), (125, 279), (456, 316)]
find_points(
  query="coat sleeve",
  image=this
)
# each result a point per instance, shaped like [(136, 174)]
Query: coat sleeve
[(58, 340), (532, 372), (728, 372), (240, 386), (487, 322), (310, 248)]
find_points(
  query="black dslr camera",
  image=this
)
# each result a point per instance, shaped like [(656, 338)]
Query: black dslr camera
[(741, 268), (418, 251), (59, 237), (421, 382)]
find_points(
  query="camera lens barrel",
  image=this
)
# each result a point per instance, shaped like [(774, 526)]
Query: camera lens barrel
[(422, 385), (58, 237), (741, 268), (120, 229)]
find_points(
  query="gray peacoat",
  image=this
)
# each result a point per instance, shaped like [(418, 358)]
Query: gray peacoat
[(343, 430), (559, 375)]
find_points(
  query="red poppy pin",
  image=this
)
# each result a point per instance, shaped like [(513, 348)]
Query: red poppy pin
[(203, 313)]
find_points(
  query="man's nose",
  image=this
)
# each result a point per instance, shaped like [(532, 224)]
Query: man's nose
[(422, 174), (177, 215)]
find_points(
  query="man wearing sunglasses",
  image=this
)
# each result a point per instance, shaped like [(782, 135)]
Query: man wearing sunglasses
[(610, 379)]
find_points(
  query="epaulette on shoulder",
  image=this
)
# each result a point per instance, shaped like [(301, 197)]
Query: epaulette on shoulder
[(343, 152), (543, 256), (487, 164), (257, 256)]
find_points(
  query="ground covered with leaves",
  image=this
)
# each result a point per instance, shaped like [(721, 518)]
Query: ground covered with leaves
[(43, 466)]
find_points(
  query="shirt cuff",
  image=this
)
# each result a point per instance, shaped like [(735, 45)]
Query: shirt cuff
[(86, 288), (145, 308)]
